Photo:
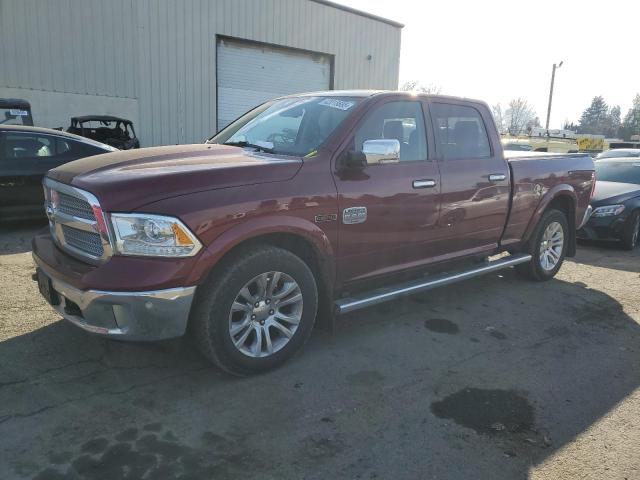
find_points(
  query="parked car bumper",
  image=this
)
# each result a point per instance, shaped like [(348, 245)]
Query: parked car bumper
[(603, 228), (137, 315)]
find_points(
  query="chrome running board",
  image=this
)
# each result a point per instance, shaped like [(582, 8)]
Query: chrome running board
[(385, 294)]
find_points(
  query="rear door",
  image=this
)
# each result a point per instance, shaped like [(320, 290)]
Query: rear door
[(475, 178), (388, 211)]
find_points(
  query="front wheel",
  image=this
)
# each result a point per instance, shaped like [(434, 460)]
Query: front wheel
[(632, 233), (547, 247), (256, 311)]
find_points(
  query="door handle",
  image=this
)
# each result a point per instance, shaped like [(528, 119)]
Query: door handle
[(497, 177), (429, 183)]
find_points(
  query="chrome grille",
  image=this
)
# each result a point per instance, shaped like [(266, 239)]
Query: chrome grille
[(87, 242), (77, 222), (75, 207)]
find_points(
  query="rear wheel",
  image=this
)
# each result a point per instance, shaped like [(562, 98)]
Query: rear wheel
[(632, 233), (547, 247), (257, 311)]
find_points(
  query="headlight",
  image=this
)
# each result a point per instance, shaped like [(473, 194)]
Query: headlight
[(153, 235), (608, 211)]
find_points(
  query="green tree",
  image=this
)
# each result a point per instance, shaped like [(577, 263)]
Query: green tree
[(595, 119), (631, 123), (614, 122)]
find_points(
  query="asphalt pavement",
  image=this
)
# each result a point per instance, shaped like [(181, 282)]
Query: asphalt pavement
[(493, 378)]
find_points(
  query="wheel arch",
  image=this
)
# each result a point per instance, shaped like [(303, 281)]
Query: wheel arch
[(301, 237), (563, 198)]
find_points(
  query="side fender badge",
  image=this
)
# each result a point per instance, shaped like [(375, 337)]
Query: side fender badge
[(331, 217), (354, 215)]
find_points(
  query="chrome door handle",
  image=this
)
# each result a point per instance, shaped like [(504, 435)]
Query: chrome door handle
[(497, 177), (424, 183)]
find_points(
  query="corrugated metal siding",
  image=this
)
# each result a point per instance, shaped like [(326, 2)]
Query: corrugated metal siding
[(163, 52), (71, 46)]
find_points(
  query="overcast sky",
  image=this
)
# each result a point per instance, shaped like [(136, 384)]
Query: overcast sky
[(496, 50)]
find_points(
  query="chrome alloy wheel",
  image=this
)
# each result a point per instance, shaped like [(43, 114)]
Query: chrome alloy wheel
[(551, 246), (265, 314)]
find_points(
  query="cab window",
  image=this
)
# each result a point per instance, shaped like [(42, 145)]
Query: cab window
[(402, 121), (460, 132)]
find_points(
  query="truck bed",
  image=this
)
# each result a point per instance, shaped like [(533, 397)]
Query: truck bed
[(536, 177)]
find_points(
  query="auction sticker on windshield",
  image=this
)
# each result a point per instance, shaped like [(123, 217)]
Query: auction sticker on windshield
[(339, 104)]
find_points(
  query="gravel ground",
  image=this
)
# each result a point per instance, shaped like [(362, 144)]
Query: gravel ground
[(494, 378)]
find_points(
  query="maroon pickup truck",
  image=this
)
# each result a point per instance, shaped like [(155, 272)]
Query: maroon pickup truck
[(322, 202)]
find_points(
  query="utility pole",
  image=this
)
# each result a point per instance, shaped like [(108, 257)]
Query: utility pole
[(553, 77)]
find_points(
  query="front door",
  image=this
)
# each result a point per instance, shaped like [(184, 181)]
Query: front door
[(388, 211), (475, 180)]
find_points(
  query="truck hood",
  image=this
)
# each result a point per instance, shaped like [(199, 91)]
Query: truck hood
[(129, 179), (609, 193)]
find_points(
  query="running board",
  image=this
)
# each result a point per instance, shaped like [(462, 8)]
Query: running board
[(385, 294)]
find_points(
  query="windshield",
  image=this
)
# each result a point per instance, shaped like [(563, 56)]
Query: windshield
[(623, 172), (15, 116), (291, 126), (619, 153)]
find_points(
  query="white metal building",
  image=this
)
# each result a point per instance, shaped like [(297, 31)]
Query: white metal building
[(182, 68)]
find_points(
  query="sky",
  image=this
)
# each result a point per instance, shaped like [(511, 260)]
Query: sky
[(498, 50)]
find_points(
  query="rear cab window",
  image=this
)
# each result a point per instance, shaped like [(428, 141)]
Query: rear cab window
[(460, 132)]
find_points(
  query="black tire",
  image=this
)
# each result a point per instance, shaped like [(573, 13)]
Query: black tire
[(210, 321), (534, 270), (632, 232)]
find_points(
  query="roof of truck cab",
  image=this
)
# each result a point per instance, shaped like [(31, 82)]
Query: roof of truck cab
[(372, 93), (338, 93)]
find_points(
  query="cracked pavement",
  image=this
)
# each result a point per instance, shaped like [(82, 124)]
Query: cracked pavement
[(493, 378)]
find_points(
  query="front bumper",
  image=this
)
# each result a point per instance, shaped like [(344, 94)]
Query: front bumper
[(603, 228), (136, 316)]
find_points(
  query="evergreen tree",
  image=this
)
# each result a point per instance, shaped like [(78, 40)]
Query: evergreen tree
[(595, 118), (614, 121), (631, 124)]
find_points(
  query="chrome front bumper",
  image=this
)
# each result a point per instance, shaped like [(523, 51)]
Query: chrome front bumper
[(138, 316)]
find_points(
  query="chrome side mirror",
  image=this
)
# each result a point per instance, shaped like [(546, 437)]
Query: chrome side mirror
[(383, 150)]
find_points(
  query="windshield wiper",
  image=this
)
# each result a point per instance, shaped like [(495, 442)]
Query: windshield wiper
[(244, 143)]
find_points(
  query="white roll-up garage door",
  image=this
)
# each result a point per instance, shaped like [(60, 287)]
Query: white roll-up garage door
[(250, 73)]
